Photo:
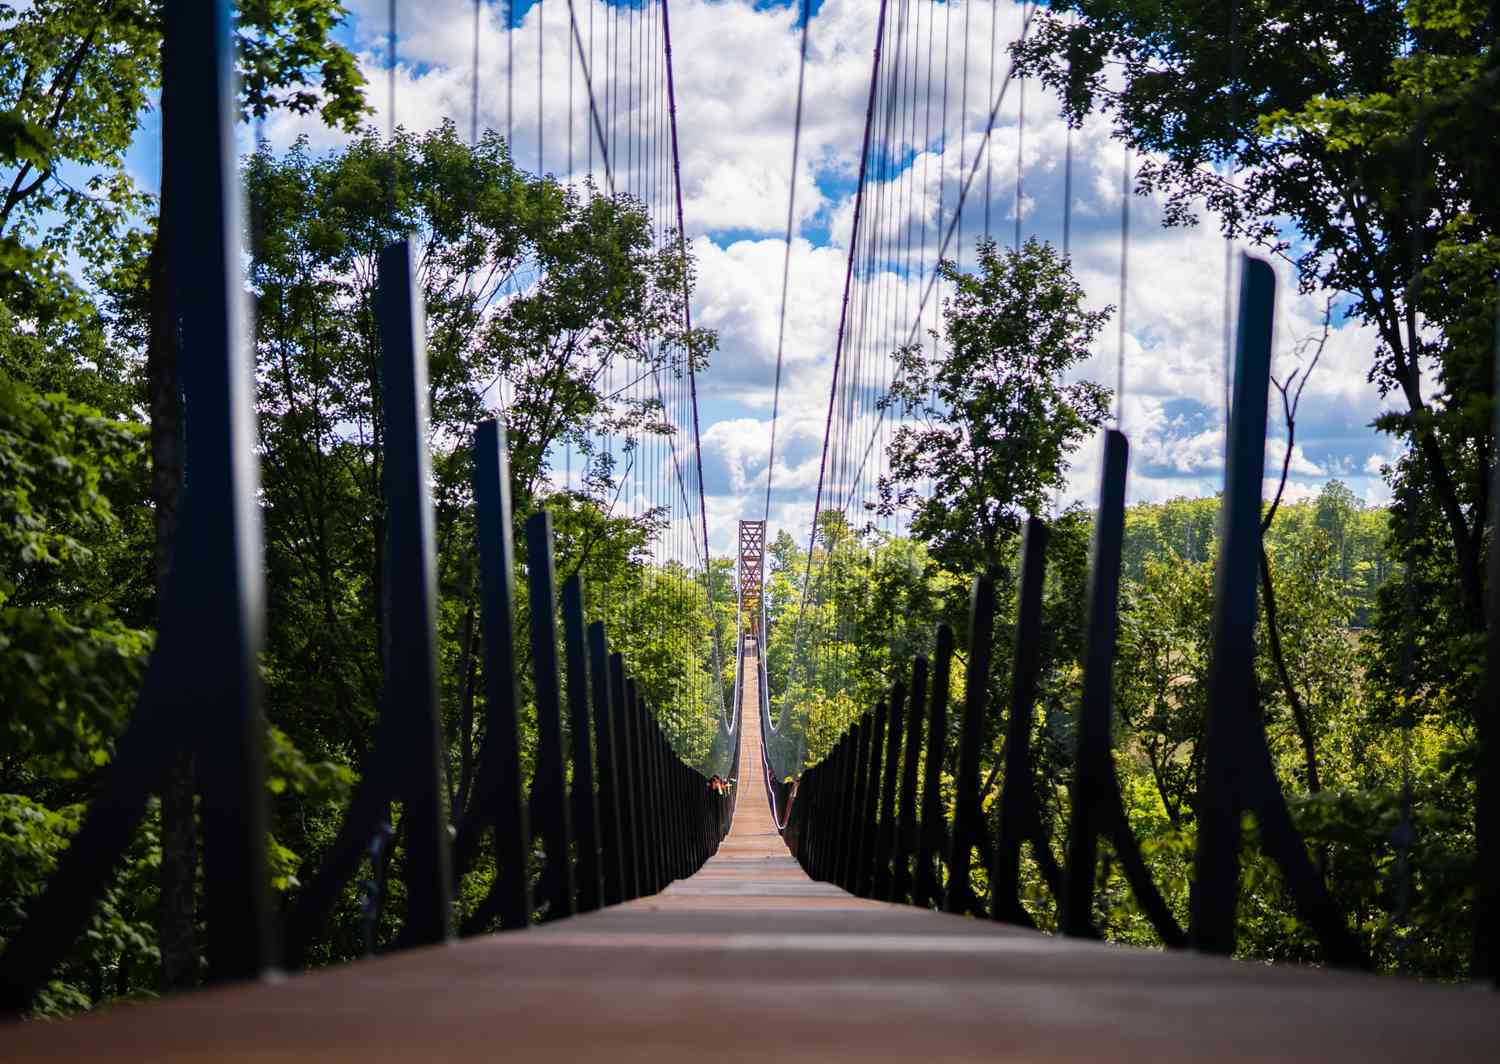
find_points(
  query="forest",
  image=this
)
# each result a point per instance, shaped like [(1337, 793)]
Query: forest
[(1370, 673), (1359, 772), (1351, 143), (91, 467)]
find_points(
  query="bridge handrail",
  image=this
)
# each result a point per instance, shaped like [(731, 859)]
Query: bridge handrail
[(858, 819), (653, 819)]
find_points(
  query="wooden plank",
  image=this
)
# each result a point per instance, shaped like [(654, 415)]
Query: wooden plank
[(750, 959)]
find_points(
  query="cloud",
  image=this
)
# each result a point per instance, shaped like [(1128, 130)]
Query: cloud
[(735, 75)]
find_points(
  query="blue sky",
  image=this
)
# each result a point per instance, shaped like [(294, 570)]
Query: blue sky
[(735, 66)]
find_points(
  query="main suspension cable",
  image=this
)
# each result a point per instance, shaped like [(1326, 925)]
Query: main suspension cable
[(838, 349), (786, 261), (931, 282)]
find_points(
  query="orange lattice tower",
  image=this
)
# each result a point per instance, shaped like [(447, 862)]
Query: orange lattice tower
[(752, 568)]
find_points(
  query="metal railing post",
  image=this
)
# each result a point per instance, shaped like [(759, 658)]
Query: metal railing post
[(968, 819), (909, 820), (585, 805), (612, 853), (1019, 818), (549, 796), (932, 843)]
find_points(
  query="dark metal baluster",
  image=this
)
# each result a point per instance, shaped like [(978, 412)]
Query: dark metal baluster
[(1019, 817), (1090, 777), (817, 816), (868, 826), (640, 812), (850, 855), (678, 860), (808, 819), (825, 840), (827, 811), (1097, 805), (406, 763), (841, 835), (1485, 962), (202, 682), (549, 794), (651, 751), (926, 889), (585, 807), (906, 828), (1231, 678), (804, 809), (670, 808), (218, 558), (810, 841), (665, 761), (830, 772), (885, 839), (499, 799), (686, 786), (645, 823), (968, 818), (710, 825), (700, 818), (650, 813), (621, 693), (410, 586), (690, 787), (611, 847), (657, 752), (1238, 771)]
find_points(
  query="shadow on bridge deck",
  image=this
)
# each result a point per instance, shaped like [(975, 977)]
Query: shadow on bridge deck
[(750, 959)]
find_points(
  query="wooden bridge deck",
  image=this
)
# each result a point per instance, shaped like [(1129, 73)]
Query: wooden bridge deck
[(751, 960)]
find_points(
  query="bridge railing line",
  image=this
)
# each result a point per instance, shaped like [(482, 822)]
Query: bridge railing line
[(641, 820), (612, 813), (860, 819)]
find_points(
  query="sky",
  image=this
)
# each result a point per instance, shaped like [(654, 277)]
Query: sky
[(736, 65)]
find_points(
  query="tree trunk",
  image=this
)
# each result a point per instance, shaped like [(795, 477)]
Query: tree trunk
[(1300, 714), (178, 874)]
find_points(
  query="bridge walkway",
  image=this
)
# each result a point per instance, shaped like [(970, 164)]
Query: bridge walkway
[(750, 960)]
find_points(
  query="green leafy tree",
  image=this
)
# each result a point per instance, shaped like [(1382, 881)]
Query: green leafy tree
[(538, 299), (75, 81), (1374, 145), (982, 413), (1357, 142), (71, 659), (71, 663)]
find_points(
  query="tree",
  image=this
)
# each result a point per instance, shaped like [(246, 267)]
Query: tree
[(539, 300), (74, 80), (71, 663), (70, 655), (1367, 128), (1356, 141), (982, 413)]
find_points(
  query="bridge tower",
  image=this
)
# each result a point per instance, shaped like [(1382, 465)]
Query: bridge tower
[(751, 573)]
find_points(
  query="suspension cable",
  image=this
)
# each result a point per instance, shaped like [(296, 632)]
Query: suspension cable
[(983, 154), (786, 262), (838, 349), (1127, 189)]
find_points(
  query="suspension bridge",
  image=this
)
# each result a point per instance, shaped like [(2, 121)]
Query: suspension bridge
[(736, 903), (753, 956)]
